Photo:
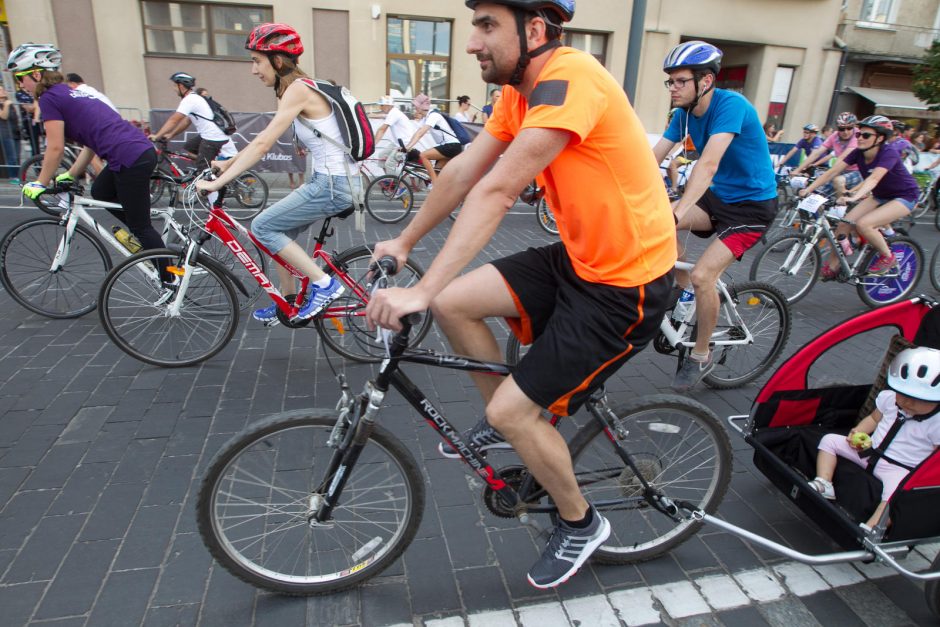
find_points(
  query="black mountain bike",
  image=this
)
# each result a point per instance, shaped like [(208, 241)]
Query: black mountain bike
[(314, 501)]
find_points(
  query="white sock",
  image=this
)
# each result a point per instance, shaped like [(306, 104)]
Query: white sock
[(698, 356), (324, 282)]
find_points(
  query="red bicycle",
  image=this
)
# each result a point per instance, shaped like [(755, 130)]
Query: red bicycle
[(194, 317)]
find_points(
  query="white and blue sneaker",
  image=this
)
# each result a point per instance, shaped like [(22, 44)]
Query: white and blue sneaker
[(319, 298), (567, 550), (266, 315)]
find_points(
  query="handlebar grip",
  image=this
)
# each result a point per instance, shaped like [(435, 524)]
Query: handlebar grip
[(388, 264)]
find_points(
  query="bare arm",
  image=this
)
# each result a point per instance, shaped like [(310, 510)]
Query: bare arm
[(827, 176), (169, 127), (867, 185), (704, 172), (417, 137), (55, 148), (81, 162), (662, 148), (379, 134)]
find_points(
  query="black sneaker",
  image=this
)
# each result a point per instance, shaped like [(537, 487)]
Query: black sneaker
[(482, 437), (568, 548)]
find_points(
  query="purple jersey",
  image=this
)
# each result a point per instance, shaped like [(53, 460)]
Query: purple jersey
[(809, 146), (92, 123), (897, 181)]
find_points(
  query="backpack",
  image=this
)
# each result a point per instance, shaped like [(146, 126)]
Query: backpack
[(456, 131), (354, 125), (220, 116)]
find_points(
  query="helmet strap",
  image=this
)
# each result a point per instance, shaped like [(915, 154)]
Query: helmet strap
[(699, 96), (526, 55)]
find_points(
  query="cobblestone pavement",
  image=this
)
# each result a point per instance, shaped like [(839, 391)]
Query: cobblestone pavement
[(100, 459)]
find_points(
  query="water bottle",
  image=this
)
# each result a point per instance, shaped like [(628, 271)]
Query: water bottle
[(845, 244), (129, 242), (686, 298)]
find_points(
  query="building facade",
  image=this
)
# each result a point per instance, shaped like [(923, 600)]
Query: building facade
[(781, 54)]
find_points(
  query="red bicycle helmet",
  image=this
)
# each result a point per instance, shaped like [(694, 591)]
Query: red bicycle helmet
[(271, 38)]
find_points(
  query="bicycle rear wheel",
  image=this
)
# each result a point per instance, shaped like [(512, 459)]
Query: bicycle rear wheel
[(678, 446), (26, 256), (765, 313), (876, 291), (135, 312), (262, 487), (343, 325), (251, 192), (777, 263), (546, 218), (389, 199)]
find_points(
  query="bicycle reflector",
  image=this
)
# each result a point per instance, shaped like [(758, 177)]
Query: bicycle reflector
[(175, 270)]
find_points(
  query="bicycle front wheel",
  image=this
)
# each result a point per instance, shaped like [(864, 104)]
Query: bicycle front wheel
[(136, 311), (250, 192), (779, 264), (546, 218), (756, 308), (219, 252), (343, 325), (678, 446), (27, 253), (389, 199), (261, 490), (897, 284)]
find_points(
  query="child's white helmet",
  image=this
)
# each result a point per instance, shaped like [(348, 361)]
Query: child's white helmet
[(915, 372)]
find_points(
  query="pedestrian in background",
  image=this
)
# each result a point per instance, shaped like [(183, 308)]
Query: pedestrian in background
[(9, 138)]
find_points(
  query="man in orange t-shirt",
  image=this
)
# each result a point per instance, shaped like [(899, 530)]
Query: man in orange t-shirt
[(588, 303)]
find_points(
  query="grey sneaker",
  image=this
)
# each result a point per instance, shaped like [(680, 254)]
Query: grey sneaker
[(481, 437), (568, 548), (691, 372)]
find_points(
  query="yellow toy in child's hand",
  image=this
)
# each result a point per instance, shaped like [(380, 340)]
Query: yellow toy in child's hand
[(860, 439)]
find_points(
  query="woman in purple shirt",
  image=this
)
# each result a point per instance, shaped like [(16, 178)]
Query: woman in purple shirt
[(893, 191), (73, 115)]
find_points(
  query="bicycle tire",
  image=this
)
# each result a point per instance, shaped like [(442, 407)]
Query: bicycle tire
[(29, 171), (679, 446), (775, 260), (375, 521), (766, 313), (389, 199), (932, 589), (136, 321), (880, 291), (220, 253), (26, 254), (343, 325), (157, 187), (546, 218), (250, 191), (935, 269)]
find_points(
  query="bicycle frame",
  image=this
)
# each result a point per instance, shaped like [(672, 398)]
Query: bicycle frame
[(361, 417), (217, 225), (674, 335)]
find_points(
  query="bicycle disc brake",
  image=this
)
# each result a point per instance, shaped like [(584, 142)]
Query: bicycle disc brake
[(513, 476)]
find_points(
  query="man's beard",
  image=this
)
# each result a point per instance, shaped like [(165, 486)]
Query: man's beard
[(494, 74)]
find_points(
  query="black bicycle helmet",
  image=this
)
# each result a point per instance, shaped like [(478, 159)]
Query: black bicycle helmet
[(563, 9), (182, 78), (879, 123)]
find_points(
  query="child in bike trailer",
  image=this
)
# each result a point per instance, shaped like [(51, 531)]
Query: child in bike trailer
[(79, 117), (902, 430), (893, 189), (274, 52)]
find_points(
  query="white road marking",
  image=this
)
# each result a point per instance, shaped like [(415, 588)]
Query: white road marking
[(594, 610), (801, 579), (635, 606), (760, 585), (543, 615), (680, 599)]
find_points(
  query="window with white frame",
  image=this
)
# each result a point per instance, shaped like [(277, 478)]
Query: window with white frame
[(879, 12), (593, 43), (200, 29)]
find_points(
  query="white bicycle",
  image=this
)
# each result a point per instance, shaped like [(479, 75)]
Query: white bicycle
[(55, 266)]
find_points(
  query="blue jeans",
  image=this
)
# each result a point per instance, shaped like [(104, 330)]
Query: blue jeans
[(323, 196), (11, 156)]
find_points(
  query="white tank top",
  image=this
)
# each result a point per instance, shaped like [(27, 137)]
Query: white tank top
[(327, 157)]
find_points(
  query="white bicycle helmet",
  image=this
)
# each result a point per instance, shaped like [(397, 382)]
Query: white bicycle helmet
[(915, 372), (34, 56)]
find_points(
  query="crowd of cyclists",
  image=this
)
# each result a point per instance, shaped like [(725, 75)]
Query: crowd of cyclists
[(588, 303)]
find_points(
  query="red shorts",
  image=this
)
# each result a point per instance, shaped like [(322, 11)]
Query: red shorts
[(739, 225)]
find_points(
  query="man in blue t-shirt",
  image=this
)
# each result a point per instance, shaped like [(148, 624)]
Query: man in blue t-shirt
[(732, 191)]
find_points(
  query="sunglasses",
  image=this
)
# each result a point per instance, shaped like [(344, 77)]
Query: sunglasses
[(19, 76), (846, 128), (865, 135)]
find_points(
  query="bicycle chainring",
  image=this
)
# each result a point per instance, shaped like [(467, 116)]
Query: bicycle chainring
[(513, 476), (661, 345), (291, 324)]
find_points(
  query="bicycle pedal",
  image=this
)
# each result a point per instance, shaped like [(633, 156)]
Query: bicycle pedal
[(526, 519)]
